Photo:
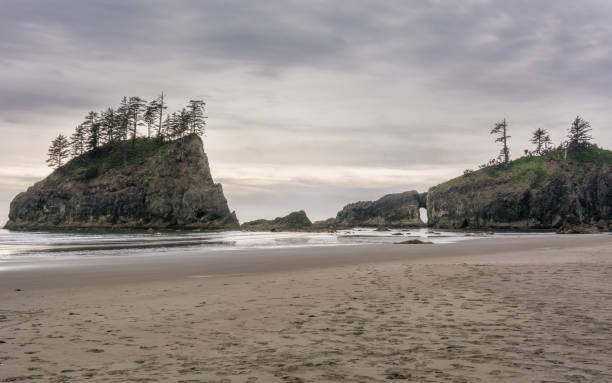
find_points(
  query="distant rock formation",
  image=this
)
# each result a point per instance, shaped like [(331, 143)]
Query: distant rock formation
[(120, 186), (531, 193), (393, 210), (296, 221)]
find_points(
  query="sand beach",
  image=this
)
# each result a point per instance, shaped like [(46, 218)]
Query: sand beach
[(493, 309)]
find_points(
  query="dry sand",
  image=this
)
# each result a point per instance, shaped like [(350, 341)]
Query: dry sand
[(490, 310)]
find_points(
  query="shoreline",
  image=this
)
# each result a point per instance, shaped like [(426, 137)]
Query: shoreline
[(179, 263)]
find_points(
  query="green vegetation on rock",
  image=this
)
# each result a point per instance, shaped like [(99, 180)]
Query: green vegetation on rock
[(112, 155), (532, 192)]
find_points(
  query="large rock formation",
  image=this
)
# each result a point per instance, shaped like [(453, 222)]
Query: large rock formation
[(148, 185), (531, 193), (296, 221), (394, 210)]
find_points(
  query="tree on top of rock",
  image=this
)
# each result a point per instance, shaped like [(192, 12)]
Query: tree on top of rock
[(136, 105), (541, 140), (77, 140), (578, 135), (92, 130), (197, 119), (58, 151), (501, 129)]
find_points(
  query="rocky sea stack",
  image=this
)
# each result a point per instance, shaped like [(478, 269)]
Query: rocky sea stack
[(296, 221), (393, 210), (533, 192), (128, 185)]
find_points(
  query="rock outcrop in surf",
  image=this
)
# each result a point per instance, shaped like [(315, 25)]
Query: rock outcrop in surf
[(544, 192), (125, 185)]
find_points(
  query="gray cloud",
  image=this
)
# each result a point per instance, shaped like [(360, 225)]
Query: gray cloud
[(390, 84)]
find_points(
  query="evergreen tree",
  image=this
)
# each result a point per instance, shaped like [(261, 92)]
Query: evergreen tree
[(58, 152), (197, 119), (541, 140), (578, 135), (108, 125), (77, 141), (160, 113), (136, 105), (151, 116), (183, 123), (123, 119), (501, 130), (92, 130), (166, 128)]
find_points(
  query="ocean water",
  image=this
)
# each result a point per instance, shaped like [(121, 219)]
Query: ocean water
[(17, 245)]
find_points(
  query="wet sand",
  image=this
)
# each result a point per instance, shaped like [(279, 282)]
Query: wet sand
[(497, 309)]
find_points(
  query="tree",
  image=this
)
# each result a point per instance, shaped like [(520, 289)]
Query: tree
[(578, 135), (150, 116), (541, 140), (501, 130), (92, 130), (160, 113), (123, 119), (181, 123), (77, 141), (136, 105), (58, 151), (197, 119), (108, 125)]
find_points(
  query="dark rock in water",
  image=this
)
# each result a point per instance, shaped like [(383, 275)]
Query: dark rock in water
[(296, 221), (392, 210), (530, 193), (325, 225), (578, 229), (120, 186), (415, 242)]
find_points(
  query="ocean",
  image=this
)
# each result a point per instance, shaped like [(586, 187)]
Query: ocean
[(30, 246)]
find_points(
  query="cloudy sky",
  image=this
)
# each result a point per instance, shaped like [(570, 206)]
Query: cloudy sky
[(311, 104)]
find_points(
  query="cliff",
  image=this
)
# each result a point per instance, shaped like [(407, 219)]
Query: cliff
[(296, 221), (544, 192), (395, 210), (120, 186)]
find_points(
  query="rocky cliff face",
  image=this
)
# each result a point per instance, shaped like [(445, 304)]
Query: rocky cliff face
[(148, 185), (532, 193), (395, 210), (296, 221)]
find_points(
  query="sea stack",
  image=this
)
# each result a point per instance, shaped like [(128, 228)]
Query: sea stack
[(128, 185), (393, 210), (571, 195)]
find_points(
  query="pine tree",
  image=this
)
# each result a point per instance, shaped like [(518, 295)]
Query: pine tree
[(197, 119), (160, 114), (166, 128), (183, 123), (136, 105), (123, 119), (108, 125), (77, 141), (150, 116), (578, 135), (541, 140), (58, 151), (92, 130), (501, 130)]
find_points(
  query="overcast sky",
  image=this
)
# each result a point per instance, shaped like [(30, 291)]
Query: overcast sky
[(311, 104)]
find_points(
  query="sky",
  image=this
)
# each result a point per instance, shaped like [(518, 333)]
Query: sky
[(311, 104)]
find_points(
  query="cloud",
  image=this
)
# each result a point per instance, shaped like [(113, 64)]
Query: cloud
[(333, 93)]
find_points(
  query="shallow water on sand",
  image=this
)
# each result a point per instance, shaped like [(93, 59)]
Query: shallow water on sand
[(17, 245)]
